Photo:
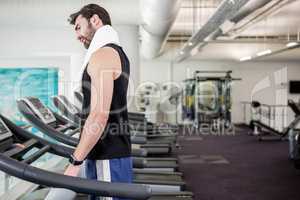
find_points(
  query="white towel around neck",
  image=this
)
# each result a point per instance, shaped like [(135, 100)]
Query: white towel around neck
[(103, 36)]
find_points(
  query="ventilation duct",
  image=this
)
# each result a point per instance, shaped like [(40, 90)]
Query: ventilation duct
[(157, 19), (227, 10)]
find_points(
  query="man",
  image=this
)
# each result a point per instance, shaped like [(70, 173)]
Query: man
[(104, 142)]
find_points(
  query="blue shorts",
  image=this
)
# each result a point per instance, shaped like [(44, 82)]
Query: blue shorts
[(114, 170)]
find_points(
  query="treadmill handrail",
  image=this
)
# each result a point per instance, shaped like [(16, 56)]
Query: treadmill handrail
[(64, 120), (66, 139), (78, 96), (57, 149), (46, 129), (62, 150), (76, 184)]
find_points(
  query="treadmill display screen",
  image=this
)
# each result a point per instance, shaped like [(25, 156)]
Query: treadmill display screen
[(39, 109)]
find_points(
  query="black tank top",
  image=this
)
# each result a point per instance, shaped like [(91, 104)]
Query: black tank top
[(115, 140)]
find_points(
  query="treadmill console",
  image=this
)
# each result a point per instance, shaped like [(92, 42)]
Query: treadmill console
[(40, 109), (71, 108), (4, 131)]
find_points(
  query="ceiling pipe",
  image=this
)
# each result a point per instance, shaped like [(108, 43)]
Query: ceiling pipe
[(157, 19), (245, 11), (258, 16), (226, 11), (249, 8)]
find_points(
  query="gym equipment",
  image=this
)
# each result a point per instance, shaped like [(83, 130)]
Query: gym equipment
[(32, 108), (35, 104), (188, 101), (159, 141), (145, 95), (206, 99), (135, 117), (71, 112), (265, 131), (13, 163), (294, 147)]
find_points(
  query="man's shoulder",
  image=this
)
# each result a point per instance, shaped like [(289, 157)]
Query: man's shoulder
[(105, 57), (104, 53)]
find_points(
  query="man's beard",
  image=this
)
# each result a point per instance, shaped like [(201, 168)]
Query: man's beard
[(86, 45), (90, 36)]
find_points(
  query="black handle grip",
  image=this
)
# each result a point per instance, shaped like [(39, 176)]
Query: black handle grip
[(79, 185)]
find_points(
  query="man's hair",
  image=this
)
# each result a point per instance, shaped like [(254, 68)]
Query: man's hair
[(88, 11)]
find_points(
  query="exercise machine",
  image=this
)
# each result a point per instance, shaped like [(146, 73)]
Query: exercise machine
[(69, 111), (265, 131), (13, 162), (206, 98), (34, 111)]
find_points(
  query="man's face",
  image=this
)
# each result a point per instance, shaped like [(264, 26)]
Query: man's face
[(84, 31)]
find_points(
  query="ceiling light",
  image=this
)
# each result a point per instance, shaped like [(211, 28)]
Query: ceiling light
[(190, 44), (245, 58), (292, 44), (262, 53)]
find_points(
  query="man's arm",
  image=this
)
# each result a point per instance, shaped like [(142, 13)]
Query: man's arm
[(102, 70)]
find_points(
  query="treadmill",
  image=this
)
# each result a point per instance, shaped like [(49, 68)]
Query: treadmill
[(138, 116), (79, 97), (34, 111), (14, 163), (72, 113), (169, 180)]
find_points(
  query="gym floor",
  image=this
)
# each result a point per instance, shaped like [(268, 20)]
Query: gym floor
[(237, 167)]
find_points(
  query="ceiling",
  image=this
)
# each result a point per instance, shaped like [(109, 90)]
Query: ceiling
[(54, 13), (192, 15), (281, 26), (285, 21)]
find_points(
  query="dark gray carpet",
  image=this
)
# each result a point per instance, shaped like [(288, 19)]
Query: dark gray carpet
[(238, 167)]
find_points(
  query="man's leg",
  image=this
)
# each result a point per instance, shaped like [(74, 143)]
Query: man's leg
[(114, 170), (91, 173), (121, 171)]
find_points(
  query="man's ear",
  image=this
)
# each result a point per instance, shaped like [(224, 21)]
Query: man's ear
[(95, 20)]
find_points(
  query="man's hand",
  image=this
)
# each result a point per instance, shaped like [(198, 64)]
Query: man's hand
[(72, 170), (22, 146)]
